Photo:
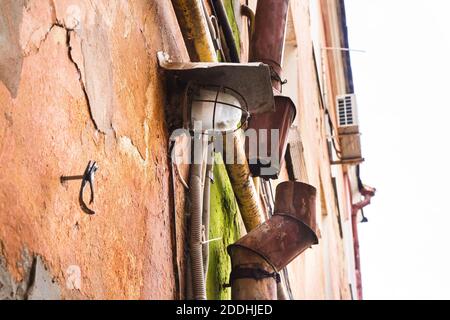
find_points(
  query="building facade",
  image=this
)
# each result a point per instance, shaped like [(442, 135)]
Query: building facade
[(80, 81)]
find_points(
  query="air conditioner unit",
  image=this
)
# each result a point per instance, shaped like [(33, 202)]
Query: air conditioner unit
[(347, 111), (348, 130)]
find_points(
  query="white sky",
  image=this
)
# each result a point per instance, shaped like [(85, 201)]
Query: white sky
[(403, 89)]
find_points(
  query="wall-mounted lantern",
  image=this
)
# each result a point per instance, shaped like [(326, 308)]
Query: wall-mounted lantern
[(243, 86), (213, 109)]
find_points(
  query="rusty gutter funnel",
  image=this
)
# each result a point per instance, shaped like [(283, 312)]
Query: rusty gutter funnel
[(261, 254), (267, 42), (368, 193), (264, 164)]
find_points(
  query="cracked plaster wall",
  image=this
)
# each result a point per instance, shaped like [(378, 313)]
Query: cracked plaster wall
[(79, 82)]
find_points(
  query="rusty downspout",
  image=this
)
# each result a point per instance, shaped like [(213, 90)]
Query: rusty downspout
[(264, 161), (267, 43), (268, 33), (368, 193), (259, 256)]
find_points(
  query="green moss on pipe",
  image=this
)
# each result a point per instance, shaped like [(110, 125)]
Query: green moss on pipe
[(228, 4), (225, 223)]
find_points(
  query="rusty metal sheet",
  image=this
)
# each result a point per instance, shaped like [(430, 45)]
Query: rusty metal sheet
[(297, 200), (281, 119), (290, 231)]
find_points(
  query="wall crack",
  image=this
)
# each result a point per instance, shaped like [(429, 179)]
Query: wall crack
[(80, 78)]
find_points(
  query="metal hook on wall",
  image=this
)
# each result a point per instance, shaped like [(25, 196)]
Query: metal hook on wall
[(87, 177)]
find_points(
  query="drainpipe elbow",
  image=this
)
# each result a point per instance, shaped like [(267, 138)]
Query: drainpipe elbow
[(272, 246)]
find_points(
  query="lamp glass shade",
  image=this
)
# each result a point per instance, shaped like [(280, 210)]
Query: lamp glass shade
[(216, 110)]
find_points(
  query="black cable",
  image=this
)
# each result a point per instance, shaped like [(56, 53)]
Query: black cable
[(322, 105), (220, 12)]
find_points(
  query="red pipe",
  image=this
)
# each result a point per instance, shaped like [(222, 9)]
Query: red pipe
[(368, 193)]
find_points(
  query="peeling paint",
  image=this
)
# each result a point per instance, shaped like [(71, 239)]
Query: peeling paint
[(38, 20), (43, 285), (11, 59), (37, 282), (98, 80), (73, 277), (126, 145), (89, 49)]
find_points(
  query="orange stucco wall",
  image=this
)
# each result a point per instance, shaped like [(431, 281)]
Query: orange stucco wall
[(79, 82)]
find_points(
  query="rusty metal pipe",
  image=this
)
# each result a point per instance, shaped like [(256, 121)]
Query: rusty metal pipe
[(267, 42), (194, 26), (267, 37), (244, 287), (241, 180), (281, 290), (274, 244)]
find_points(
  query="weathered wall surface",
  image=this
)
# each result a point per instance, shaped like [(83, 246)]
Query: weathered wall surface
[(79, 82)]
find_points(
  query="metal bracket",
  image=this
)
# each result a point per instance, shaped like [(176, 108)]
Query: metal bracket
[(253, 273)]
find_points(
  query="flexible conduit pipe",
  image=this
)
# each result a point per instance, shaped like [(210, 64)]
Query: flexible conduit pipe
[(196, 241), (207, 204), (198, 281)]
